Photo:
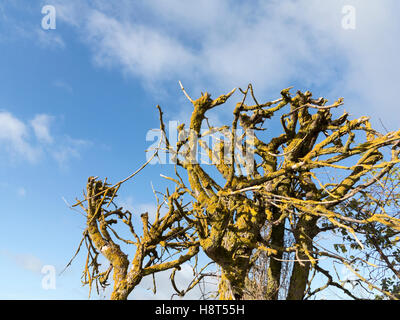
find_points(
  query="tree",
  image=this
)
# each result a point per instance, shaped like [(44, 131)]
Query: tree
[(257, 206), (165, 243), (381, 256), (282, 188)]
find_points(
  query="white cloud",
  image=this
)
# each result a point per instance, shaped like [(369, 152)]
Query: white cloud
[(16, 25), (33, 140), (231, 44), (14, 137), (274, 44), (27, 261), (48, 39), (41, 127), (63, 85), (67, 149), (138, 49), (63, 154)]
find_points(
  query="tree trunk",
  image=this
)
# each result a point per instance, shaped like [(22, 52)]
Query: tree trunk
[(298, 280), (275, 265), (306, 230), (232, 283), (120, 291), (274, 268)]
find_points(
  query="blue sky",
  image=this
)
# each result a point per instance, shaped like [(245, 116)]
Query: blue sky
[(79, 100)]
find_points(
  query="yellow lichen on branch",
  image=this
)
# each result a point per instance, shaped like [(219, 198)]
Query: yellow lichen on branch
[(284, 184)]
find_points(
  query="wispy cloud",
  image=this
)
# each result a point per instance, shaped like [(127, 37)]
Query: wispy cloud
[(138, 49), (27, 261), (69, 148), (273, 44), (63, 85), (32, 140), (48, 38), (14, 137), (41, 127), (21, 20)]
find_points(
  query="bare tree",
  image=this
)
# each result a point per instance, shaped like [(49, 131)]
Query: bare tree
[(259, 203), (380, 259), (283, 186), (165, 243)]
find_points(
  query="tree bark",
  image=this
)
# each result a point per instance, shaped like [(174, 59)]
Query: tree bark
[(306, 230), (275, 266)]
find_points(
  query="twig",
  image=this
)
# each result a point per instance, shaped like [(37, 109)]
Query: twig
[(187, 96)]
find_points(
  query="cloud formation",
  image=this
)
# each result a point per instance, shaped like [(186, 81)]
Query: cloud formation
[(27, 261), (14, 137), (273, 44), (32, 140), (41, 127)]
